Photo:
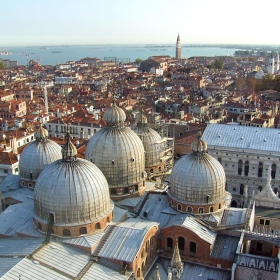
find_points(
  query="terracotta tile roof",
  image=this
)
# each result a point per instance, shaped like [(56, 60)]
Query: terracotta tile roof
[(8, 158)]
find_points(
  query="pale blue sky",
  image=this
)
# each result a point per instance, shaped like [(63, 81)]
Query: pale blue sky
[(53, 22)]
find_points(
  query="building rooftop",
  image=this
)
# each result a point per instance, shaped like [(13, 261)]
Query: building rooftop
[(242, 137)]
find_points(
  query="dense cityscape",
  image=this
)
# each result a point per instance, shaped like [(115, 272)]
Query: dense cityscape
[(159, 168)]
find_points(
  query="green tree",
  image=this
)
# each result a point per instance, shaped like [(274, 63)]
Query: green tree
[(268, 82), (239, 83), (218, 64), (1, 65), (138, 60), (251, 83)]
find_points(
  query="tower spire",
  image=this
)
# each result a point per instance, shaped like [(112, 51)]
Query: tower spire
[(175, 269), (178, 47)]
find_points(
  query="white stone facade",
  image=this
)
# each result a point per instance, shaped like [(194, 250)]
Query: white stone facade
[(247, 165)]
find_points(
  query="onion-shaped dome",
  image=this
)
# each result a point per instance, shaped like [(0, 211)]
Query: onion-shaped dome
[(114, 116), (199, 145), (36, 156), (41, 134), (198, 178), (73, 190)]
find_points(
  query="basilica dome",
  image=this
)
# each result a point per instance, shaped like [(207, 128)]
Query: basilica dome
[(36, 156), (119, 153), (154, 146), (73, 193), (197, 181)]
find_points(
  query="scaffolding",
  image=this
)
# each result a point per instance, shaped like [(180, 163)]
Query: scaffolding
[(116, 59)]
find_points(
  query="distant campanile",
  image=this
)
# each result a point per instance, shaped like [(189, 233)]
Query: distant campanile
[(178, 47)]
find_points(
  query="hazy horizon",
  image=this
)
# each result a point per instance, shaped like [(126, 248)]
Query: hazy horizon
[(92, 22)]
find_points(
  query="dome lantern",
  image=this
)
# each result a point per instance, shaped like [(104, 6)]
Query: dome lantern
[(114, 116), (69, 151)]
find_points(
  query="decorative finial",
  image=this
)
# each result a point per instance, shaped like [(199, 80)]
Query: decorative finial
[(69, 151), (157, 277)]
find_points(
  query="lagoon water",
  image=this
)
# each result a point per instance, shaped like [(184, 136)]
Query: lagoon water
[(52, 55)]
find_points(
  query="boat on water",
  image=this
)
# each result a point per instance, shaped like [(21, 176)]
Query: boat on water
[(56, 52), (5, 53)]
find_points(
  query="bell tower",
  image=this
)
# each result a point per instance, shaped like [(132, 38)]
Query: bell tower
[(178, 47)]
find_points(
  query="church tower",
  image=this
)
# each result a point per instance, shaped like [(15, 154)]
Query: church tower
[(270, 64), (276, 67), (178, 47)]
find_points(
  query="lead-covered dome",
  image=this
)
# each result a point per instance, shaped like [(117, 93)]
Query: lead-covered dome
[(119, 153), (154, 147), (114, 115), (36, 156), (73, 193), (198, 179)]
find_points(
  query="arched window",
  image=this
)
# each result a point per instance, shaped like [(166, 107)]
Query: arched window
[(179, 207), (241, 189), (192, 247), (260, 169), (211, 209), (136, 188), (152, 171), (233, 203), (97, 226), (200, 210), (83, 230), (66, 232), (39, 226), (143, 265), (169, 242), (113, 191), (219, 160), (273, 170), (108, 219), (51, 217), (138, 272), (246, 170), (181, 243), (159, 169), (189, 209), (240, 163)]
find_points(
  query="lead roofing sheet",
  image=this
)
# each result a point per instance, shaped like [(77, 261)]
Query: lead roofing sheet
[(242, 137), (62, 257)]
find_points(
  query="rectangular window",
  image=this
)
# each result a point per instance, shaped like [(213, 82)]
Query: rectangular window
[(5, 170), (267, 222), (234, 189), (261, 221)]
